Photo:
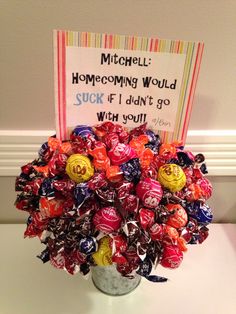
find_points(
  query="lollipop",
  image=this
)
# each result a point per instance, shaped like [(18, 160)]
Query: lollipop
[(150, 192), (50, 207), (88, 245), (200, 211), (172, 177), (206, 187), (103, 256), (79, 168), (179, 217), (81, 130), (167, 151), (156, 232), (107, 219), (172, 256), (100, 161), (121, 153)]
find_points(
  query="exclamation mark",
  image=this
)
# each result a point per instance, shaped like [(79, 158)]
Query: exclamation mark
[(141, 118)]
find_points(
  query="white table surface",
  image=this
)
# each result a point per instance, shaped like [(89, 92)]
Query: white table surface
[(204, 283)]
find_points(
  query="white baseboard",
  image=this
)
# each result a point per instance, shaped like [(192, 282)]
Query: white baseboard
[(17, 147)]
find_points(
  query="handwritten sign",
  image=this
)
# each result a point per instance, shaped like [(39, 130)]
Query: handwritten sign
[(126, 80)]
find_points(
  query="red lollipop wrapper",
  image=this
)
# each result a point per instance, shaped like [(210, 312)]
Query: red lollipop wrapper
[(119, 243), (150, 192), (111, 140), (105, 128), (179, 217), (206, 187), (124, 137), (138, 144), (27, 169), (121, 153), (58, 260), (138, 131), (133, 261), (119, 258), (78, 257), (64, 185), (193, 193), (70, 266), (36, 224), (189, 175), (114, 174), (57, 164), (167, 151), (146, 218), (156, 232), (107, 194), (33, 187), (51, 207), (146, 158), (107, 219), (123, 189), (172, 256), (101, 160), (130, 204), (149, 172), (54, 143), (98, 181), (203, 234)]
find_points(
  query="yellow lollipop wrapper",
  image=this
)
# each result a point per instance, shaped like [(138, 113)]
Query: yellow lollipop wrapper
[(172, 177), (79, 168), (103, 256)]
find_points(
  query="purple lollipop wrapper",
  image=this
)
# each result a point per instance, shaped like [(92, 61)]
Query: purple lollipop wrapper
[(131, 170), (81, 193)]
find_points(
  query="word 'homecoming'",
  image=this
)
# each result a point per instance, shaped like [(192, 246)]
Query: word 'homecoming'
[(108, 58), (121, 81)]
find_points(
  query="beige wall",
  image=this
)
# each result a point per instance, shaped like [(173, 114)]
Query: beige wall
[(26, 51)]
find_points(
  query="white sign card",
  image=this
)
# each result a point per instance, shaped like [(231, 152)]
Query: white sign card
[(126, 80)]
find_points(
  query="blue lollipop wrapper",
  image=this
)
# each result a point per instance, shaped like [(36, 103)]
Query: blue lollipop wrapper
[(200, 211), (82, 130), (88, 245)]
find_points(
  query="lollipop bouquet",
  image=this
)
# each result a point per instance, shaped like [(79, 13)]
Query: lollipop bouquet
[(112, 196)]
